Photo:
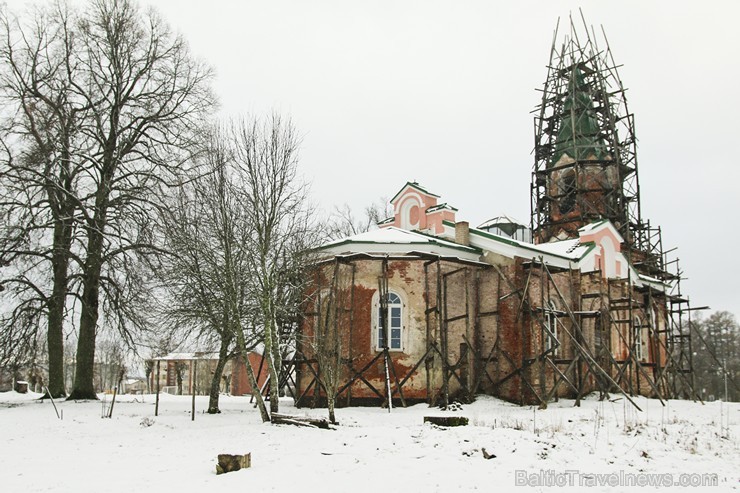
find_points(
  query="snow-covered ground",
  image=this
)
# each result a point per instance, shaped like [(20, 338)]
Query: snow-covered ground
[(593, 446)]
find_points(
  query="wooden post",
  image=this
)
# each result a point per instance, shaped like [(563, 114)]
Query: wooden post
[(113, 402), (192, 386), (115, 392), (156, 403)]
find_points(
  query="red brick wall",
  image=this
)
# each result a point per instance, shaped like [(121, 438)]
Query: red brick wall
[(239, 379)]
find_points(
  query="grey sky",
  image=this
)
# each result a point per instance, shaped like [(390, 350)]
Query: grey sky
[(441, 92)]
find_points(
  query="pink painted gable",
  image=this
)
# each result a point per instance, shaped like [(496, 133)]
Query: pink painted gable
[(435, 218), (608, 245), (410, 207)]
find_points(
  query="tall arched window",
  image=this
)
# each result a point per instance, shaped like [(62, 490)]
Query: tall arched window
[(391, 323), (639, 352), (568, 192), (551, 322)]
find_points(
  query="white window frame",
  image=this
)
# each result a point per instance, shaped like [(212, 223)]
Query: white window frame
[(551, 322), (639, 343), (391, 319)]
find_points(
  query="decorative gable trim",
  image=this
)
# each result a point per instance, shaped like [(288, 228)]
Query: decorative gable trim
[(414, 186)]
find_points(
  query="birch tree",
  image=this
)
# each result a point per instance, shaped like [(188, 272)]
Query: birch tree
[(280, 225), (333, 305), (206, 276)]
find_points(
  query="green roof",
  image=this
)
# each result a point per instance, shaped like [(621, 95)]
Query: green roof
[(441, 206), (474, 231), (578, 135)]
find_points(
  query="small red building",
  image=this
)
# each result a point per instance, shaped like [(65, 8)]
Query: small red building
[(180, 372)]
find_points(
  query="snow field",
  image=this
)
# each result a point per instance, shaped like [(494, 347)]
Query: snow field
[(369, 450)]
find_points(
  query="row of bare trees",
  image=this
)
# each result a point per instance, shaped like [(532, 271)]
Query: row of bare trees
[(240, 233), (101, 110), (126, 210), (716, 358)]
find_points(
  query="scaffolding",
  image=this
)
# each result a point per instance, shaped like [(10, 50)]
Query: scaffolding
[(525, 331), (586, 170), (584, 333), (450, 323), (585, 165)]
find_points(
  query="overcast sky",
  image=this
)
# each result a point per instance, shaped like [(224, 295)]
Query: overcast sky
[(442, 92)]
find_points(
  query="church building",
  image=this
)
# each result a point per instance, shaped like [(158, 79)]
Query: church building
[(427, 308)]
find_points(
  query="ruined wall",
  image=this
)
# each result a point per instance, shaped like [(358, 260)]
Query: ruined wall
[(360, 341), (237, 372), (440, 303), (501, 332), (488, 324), (580, 193)]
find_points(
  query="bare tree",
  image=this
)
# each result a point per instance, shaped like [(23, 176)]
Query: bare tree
[(280, 225), (180, 368), (111, 361), (332, 316), (716, 358), (104, 104), (343, 223), (44, 144), (147, 98), (206, 278)]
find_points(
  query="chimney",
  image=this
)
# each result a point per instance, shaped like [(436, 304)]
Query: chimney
[(462, 233)]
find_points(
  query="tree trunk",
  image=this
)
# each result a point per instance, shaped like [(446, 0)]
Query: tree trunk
[(223, 355), (63, 210), (83, 386), (56, 305), (178, 373), (272, 353), (330, 405), (255, 387)]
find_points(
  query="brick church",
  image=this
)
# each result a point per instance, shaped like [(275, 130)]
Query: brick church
[(427, 308)]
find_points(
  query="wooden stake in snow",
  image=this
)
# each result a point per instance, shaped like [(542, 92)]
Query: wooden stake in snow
[(113, 402), (230, 463), (192, 386), (52, 402), (156, 403)]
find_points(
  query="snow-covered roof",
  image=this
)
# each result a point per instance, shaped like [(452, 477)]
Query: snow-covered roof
[(397, 240), (187, 356), (440, 207), (572, 249), (560, 253), (502, 219), (568, 254)]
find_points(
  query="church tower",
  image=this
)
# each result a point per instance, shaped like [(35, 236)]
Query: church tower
[(585, 165), (585, 160)]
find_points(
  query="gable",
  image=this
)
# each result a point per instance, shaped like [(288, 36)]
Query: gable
[(607, 256), (416, 209)]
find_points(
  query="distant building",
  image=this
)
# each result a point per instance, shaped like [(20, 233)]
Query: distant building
[(179, 372)]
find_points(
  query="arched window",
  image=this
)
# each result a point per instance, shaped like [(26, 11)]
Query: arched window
[(392, 323), (551, 322), (568, 193), (639, 353)]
